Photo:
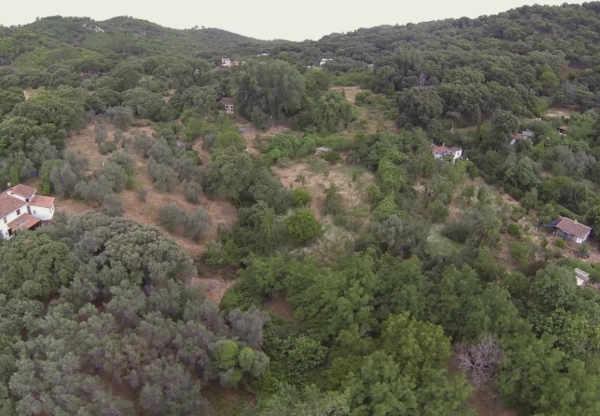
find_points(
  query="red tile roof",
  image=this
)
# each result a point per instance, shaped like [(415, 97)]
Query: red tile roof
[(42, 201), (24, 222), (23, 190), (226, 100), (519, 136), (9, 204), (443, 149), (573, 227)]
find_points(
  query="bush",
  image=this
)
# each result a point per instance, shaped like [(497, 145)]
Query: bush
[(100, 133), (209, 140), (197, 224), (112, 206), (229, 139), (560, 243), (301, 197), (191, 191), (302, 226), (514, 230), (333, 157), (439, 211), (164, 177), (458, 231), (121, 117), (142, 143), (107, 147), (171, 217), (142, 193), (364, 97), (584, 251), (214, 255), (334, 203)]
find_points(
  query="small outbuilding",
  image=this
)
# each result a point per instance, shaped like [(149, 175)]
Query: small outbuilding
[(228, 104), (570, 230), (443, 152), (581, 277), (563, 129), (322, 150)]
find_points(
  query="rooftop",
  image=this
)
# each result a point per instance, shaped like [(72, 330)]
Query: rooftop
[(23, 191), (24, 222), (226, 100), (9, 204), (573, 227), (519, 136), (444, 149), (42, 201)]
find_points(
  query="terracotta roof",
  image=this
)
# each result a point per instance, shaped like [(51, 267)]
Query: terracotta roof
[(23, 190), (444, 149), (9, 204), (226, 100), (42, 201), (573, 227), (564, 128), (24, 222), (519, 136)]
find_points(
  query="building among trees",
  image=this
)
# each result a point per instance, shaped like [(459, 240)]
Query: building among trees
[(443, 152), (570, 230), (22, 209), (228, 104)]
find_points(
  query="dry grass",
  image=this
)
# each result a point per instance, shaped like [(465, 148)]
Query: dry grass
[(280, 306), (557, 112), (220, 210), (317, 183), (249, 135), (349, 92), (31, 93)]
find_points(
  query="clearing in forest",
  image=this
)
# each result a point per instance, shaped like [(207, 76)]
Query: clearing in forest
[(220, 210), (317, 175)]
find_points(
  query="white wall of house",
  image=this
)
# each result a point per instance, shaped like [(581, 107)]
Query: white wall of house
[(19, 196), (11, 217), (42, 213)]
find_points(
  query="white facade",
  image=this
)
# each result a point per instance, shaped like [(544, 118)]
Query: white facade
[(9, 218), (19, 201), (324, 61), (225, 62), (43, 213)]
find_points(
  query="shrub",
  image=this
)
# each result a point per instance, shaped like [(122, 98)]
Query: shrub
[(229, 139), (439, 211), (301, 197), (121, 117), (514, 230), (142, 143), (458, 231), (100, 133), (302, 226), (171, 217), (214, 255), (164, 177), (334, 203), (197, 224), (107, 147), (364, 97), (333, 157), (560, 243), (112, 206), (191, 191), (584, 251), (209, 140), (142, 193), (119, 137)]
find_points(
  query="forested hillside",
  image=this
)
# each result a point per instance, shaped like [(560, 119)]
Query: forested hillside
[(367, 224)]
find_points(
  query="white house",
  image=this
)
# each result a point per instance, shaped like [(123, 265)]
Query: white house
[(324, 61), (225, 62), (443, 152), (228, 104), (22, 209), (582, 278), (517, 137)]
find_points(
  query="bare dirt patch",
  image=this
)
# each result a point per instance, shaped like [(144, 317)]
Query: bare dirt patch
[(557, 112), (215, 286), (280, 306), (349, 92), (250, 134), (30, 93), (317, 183)]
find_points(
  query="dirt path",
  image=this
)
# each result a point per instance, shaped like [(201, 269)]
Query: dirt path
[(348, 92)]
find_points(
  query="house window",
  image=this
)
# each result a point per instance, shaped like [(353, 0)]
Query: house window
[(5, 221), (34, 211), (19, 211)]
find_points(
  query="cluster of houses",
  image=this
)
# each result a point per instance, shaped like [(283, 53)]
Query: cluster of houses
[(228, 63), (22, 209), (526, 134)]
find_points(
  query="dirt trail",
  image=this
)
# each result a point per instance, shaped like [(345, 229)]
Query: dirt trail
[(349, 92)]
